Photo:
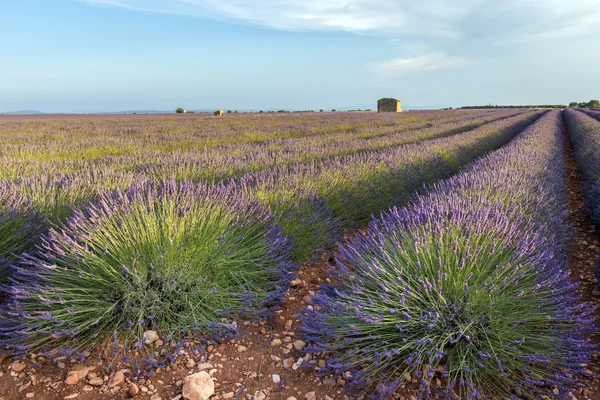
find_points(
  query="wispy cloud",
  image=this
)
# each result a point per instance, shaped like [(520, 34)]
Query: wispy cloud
[(403, 66), (392, 18), (523, 21), (426, 18)]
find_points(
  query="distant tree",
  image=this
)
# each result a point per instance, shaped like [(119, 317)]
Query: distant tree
[(235, 112), (261, 111), (589, 104), (229, 111), (179, 110), (593, 104), (321, 110), (333, 110)]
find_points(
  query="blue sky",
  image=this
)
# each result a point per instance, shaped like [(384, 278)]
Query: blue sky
[(109, 55)]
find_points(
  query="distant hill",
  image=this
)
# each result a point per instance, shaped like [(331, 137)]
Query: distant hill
[(22, 112)]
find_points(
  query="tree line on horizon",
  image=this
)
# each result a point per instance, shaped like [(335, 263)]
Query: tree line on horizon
[(574, 104), (589, 104)]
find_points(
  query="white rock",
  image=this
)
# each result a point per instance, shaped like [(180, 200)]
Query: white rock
[(18, 366), (276, 378), (258, 395), (288, 362), (118, 379), (299, 344), (203, 366), (198, 386), (72, 378), (297, 364), (133, 389), (190, 363), (150, 337), (96, 382), (310, 396)]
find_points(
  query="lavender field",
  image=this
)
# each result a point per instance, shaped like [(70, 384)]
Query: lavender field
[(439, 242)]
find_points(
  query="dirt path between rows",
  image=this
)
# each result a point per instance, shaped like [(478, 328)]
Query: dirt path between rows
[(583, 256)]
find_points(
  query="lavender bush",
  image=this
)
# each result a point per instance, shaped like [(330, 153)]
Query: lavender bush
[(165, 256), (20, 229), (31, 205), (469, 283)]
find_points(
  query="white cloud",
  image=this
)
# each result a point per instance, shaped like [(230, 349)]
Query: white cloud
[(391, 18), (426, 18), (547, 19), (402, 66)]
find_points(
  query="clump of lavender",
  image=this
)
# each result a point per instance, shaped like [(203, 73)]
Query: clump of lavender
[(30, 205), (169, 256), (20, 227), (468, 282)]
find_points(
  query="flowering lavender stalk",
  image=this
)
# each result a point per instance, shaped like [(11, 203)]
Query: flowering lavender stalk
[(166, 256), (469, 279)]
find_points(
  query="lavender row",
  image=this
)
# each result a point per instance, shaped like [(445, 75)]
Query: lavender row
[(210, 165), (468, 284), (343, 193), (54, 195), (93, 137), (592, 112), (164, 155)]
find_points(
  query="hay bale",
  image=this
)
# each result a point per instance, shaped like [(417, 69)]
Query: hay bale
[(219, 113), (389, 104)]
